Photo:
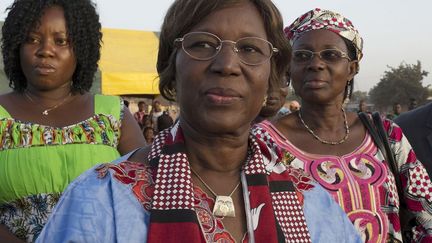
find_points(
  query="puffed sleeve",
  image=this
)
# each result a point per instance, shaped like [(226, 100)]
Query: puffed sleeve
[(97, 209)]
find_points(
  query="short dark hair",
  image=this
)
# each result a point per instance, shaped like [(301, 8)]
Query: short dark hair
[(164, 121), (141, 103), (183, 15), (83, 28)]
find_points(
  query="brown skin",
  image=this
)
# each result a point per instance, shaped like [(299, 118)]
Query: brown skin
[(321, 87), (275, 101), (7, 236), (48, 46), (216, 133)]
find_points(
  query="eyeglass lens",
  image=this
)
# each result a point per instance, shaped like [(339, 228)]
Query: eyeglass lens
[(328, 55), (204, 46)]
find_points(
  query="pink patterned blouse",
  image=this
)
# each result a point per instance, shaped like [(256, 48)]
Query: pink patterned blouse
[(363, 185)]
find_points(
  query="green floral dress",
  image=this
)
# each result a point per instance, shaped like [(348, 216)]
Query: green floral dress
[(37, 162)]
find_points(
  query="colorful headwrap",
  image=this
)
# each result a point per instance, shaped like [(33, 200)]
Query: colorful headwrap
[(325, 19)]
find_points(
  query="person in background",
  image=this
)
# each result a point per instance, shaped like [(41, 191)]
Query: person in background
[(51, 128), (333, 145), (362, 106), (413, 104), (207, 179), (397, 109), (173, 111), (148, 122), (164, 121), (156, 112), (417, 126), (149, 134), (141, 114), (274, 101)]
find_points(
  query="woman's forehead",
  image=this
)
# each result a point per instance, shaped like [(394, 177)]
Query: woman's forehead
[(239, 20)]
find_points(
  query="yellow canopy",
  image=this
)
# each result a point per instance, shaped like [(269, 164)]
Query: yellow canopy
[(128, 62)]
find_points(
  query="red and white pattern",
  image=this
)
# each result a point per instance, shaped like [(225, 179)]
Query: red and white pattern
[(169, 186), (363, 185), (289, 213), (317, 19)]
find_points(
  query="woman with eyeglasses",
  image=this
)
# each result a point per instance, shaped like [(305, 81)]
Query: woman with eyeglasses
[(206, 179), (333, 145)]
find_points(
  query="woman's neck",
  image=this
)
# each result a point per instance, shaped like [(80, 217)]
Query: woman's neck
[(49, 95), (222, 153), (328, 117)]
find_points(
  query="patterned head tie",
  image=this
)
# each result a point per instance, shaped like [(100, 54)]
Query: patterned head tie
[(317, 19)]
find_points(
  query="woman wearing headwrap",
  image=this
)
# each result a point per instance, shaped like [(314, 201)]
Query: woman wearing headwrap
[(333, 145)]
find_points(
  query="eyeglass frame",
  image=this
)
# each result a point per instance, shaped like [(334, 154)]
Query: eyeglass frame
[(273, 49), (318, 53)]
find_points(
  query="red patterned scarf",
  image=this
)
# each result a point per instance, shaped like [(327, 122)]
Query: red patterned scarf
[(275, 200)]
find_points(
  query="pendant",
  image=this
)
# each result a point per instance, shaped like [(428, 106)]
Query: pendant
[(224, 207), (45, 113)]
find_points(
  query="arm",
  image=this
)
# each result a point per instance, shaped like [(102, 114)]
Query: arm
[(7, 236), (417, 186), (130, 136)]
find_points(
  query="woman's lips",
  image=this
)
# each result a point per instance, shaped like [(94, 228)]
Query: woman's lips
[(44, 69), (315, 84), (222, 96)]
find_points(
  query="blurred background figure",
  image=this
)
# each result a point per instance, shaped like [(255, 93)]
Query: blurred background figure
[(362, 107), (273, 106), (164, 121), (397, 110), (155, 112), (149, 134), (413, 104), (141, 114), (51, 127)]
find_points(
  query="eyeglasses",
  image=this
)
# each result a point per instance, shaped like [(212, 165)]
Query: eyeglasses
[(327, 55), (205, 46)]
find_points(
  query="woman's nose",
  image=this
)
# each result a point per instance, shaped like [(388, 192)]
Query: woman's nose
[(316, 62), (46, 49), (227, 61)]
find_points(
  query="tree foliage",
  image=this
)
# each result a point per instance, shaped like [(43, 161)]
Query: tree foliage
[(399, 85), (359, 95)]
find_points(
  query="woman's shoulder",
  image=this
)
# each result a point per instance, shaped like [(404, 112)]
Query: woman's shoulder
[(96, 195), (8, 101)]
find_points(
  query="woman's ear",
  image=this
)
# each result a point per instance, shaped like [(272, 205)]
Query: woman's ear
[(353, 69)]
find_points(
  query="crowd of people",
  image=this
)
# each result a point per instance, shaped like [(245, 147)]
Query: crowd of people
[(154, 119), (235, 163)]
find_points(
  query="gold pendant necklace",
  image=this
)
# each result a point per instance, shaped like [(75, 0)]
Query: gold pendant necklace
[(347, 131), (45, 112), (224, 205)]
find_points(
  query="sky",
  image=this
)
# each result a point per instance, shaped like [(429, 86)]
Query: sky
[(394, 31)]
